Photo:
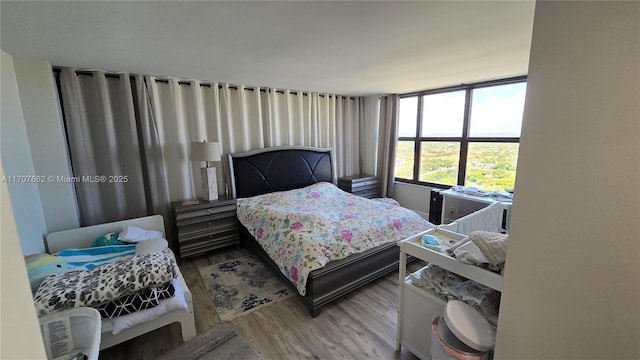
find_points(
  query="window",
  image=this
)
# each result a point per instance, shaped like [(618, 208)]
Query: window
[(465, 135)]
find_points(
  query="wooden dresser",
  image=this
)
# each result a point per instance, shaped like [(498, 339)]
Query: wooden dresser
[(205, 226)]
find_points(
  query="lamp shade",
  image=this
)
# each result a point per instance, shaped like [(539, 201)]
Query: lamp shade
[(204, 151)]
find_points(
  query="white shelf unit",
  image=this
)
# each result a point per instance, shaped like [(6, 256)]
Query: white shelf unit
[(418, 306)]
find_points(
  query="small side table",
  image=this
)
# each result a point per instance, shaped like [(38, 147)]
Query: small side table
[(362, 185), (71, 332), (205, 226)]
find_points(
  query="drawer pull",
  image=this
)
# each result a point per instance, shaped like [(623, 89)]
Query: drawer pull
[(210, 224), (209, 211)]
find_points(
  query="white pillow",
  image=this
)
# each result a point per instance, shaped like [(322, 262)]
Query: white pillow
[(150, 246), (133, 234)]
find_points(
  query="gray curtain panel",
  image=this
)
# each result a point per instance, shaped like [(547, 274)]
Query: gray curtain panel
[(156, 188), (104, 147), (388, 134)]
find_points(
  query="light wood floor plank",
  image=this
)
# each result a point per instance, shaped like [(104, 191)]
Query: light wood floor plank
[(361, 325)]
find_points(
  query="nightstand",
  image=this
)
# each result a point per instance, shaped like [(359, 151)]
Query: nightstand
[(205, 226), (362, 185)]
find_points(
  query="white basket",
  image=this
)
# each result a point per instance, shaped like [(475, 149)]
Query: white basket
[(69, 332)]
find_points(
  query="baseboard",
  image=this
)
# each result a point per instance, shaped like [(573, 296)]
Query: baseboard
[(424, 215)]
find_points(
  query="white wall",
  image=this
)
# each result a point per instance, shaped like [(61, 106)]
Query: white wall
[(19, 330), (45, 130), (571, 288), (16, 160)]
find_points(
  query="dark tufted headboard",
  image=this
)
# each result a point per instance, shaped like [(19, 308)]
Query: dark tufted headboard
[(279, 168)]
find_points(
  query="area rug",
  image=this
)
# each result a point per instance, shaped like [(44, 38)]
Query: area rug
[(220, 342), (243, 285)]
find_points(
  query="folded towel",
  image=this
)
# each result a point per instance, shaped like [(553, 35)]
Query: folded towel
[(493, 245), (470, 253)]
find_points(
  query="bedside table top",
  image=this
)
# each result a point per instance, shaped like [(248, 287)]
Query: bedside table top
[(203, 204), (358, 177)]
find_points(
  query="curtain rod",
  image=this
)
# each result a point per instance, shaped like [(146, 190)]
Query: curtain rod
[(57, 70), (89, 73), (164, 81)]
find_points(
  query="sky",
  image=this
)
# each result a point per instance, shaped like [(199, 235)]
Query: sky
[(495, 112)]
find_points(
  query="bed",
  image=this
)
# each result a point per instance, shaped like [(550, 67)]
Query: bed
[(279, 169), (83, 237)]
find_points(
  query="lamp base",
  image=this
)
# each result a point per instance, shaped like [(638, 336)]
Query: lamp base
[(209, 183)]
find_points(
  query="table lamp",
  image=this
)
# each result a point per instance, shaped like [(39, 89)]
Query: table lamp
[(207, 151)]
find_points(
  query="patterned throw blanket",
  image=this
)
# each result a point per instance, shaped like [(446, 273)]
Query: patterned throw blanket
[(304, 229), (105, 283)]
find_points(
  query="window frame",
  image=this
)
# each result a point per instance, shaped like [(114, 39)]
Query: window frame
[(464, 139)]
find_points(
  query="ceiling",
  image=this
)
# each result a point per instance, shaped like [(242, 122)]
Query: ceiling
[(350, 48)]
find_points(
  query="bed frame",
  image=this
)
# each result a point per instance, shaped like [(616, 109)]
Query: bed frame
[(291, 167), (84, 236)]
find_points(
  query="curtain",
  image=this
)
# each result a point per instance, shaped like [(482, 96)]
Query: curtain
[(141, 127), (244, 118), (103, 145), (388, 135), (155, 185)]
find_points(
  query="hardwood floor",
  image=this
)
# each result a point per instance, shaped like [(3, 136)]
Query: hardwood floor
[(361, 325)]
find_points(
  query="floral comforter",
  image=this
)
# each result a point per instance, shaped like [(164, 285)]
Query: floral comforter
[(302, 230)]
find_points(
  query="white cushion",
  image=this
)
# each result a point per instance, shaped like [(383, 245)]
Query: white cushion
[(151, 245), (134, 234)]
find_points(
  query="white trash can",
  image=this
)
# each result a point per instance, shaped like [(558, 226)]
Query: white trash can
[(462, 333)]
